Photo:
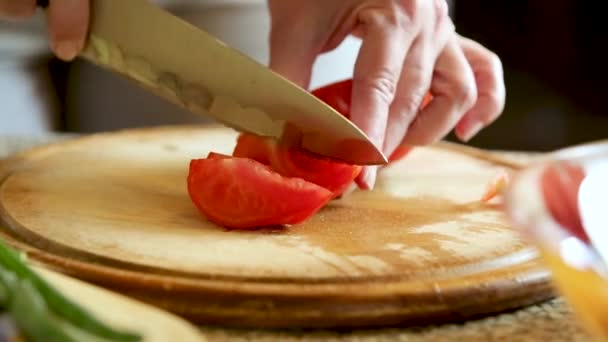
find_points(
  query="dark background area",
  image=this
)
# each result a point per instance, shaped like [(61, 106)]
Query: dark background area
[(555, 69)]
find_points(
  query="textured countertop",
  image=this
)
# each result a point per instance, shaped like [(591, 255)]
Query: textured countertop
[(550, 321)]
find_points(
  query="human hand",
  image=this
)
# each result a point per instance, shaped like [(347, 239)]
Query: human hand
[(67, 22), (409, 47)]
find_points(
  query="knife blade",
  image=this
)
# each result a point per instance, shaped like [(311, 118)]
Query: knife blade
[(194, 70)]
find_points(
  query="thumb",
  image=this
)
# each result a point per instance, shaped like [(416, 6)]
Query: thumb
[(293, 53)]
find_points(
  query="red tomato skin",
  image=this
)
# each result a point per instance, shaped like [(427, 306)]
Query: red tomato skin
[(560, 184), (241, 193), (330, 174), (293, 162), (339, 95), (254, 147)]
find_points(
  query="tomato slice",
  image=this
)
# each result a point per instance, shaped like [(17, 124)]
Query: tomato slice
[(215, 155), (293, 162), (328, 173), (243, 193), (254, 147), (337, 95)]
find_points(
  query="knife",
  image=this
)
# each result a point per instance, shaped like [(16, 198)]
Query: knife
[(194, 70)]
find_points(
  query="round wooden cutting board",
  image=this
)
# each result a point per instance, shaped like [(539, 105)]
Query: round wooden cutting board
[(113, 209)]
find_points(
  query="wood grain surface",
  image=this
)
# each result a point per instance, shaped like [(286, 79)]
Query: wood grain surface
[(113, 209)]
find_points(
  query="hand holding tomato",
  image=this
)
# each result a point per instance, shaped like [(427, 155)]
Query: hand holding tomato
[(409, 48), (67, 22)]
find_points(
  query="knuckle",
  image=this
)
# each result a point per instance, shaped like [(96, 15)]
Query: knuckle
[(383, 84), (464, 94), (441, 9), (495, 105), (388, 15), (494, 61), (411, 106)]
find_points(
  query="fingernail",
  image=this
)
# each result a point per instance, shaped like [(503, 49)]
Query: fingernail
[(66, 50), (470, 130)]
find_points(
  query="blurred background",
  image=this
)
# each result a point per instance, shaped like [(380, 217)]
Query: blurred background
[(554, 72)]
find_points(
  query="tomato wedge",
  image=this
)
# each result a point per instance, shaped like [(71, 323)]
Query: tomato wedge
[(254, 147), (337, 95), (293, 162), (243, 193), (215, 155), (330, 174)]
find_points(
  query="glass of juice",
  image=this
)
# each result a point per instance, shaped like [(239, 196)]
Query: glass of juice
[(560, 204)]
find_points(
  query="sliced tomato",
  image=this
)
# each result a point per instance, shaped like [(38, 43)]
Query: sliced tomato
[(215, 155), (264, 183), (293, 162), (400, 152), (337, 95), (254, 147), (243, 193), (560, 184), (328, 173)]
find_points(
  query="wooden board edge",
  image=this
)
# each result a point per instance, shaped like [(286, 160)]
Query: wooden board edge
[(134, 279), (238, 304)]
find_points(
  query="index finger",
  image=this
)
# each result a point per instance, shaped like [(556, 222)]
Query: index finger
[(377, 70), (68, 25)]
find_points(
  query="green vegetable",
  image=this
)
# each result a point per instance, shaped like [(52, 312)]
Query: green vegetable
[(30, 312), (43, 313)]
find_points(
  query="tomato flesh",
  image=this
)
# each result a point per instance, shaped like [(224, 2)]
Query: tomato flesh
[(330, 174), (293, 162), (243, 193), (254, 147), (337, 95)]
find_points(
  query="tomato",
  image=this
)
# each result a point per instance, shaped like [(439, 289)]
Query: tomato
[(215, 155), (330, 174), (264, 183), (339, 95), (560, 184), (336, 95), (243, 193), (400, 152), (255, 147), (293, 162)]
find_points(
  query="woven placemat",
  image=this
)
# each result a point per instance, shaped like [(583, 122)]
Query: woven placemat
[(550, 321)]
